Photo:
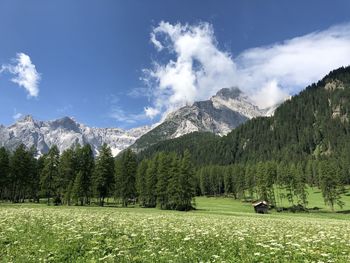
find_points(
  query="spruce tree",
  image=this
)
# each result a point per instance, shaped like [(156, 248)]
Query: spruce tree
[(49, 175), (141, 182), (104, 174), (4, 173), (128, 177), (77, 192), (18, 173), (151, 183), (118, 169), (330, 183), (163, 180), (33, 176), (186, 181), (67, 171), (174, 188), (85, 166)]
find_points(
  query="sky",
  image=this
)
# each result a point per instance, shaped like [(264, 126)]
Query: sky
[(128, 63)]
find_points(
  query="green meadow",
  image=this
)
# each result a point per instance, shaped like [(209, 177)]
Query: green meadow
[(220, 230)]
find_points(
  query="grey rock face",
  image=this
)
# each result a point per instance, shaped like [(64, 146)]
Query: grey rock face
[(222, 113), (65, 133)]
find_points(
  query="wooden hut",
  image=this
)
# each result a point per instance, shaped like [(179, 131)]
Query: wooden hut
[(261, 207)]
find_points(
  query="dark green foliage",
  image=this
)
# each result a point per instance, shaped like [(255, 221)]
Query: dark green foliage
[(126, 176), (4, 172), (83, 182), (21, 181), (163, 176), (141, 182), (104, 174), (193, 142), (186, 179), (151, 183), (49, 179), (67, 171), (312, 125), (330, 183)]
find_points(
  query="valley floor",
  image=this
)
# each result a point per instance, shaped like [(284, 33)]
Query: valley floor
[(221, 230)]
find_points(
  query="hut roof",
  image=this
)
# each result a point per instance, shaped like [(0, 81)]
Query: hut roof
[(260, 203)]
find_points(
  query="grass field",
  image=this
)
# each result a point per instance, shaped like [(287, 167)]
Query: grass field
[(221, 230)]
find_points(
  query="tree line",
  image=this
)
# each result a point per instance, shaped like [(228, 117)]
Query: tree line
[(274, 182), (76, 177)]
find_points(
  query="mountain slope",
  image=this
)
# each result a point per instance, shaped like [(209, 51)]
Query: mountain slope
[(313, 124), (225, 111), (65, 133)]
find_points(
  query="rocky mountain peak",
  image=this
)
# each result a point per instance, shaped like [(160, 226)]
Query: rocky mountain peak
[(229, 93), (65, 132), (226, 110), (26, 118)]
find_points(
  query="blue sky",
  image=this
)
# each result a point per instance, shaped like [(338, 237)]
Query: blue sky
[(96, 60)]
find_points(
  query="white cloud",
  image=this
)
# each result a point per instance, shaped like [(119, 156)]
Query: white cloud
[(198, 71), (25, 74), (268, 74), (269, 94), (16, 115), (121, 116), (295, 63), (151, 112)]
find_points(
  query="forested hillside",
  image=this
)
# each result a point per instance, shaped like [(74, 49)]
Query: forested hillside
[(306, 143), (312, 124)]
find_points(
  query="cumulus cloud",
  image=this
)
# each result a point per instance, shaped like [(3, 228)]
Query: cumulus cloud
[(25, 73), (293, 64), (197, 71), (197, 68)]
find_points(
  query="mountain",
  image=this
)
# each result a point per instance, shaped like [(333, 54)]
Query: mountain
[(314, 124), (223, 112), (65, 133)]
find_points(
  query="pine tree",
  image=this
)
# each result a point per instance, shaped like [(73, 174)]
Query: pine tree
[(127, 177), (18, 173), (4, 173), (49, 175), (174, 188), (118, 169), (141, 182), (33, 175), (250, 179), (300, 186), (77, 192), (151, 183), (186, 181), (67, 171), (228, 183), (330, 184), (163, 180), (85, 166), (104, 174)]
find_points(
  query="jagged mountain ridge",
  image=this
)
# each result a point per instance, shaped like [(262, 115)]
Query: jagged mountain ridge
[(219, 115), (229, 108), (65, 133)]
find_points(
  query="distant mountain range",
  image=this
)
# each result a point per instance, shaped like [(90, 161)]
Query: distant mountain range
[(219, 115), (65, 133)]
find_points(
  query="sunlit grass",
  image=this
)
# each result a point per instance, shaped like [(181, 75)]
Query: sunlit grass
[(221, 230)]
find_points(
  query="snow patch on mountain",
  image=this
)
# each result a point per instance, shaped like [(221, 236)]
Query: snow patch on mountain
[(65, 133)]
